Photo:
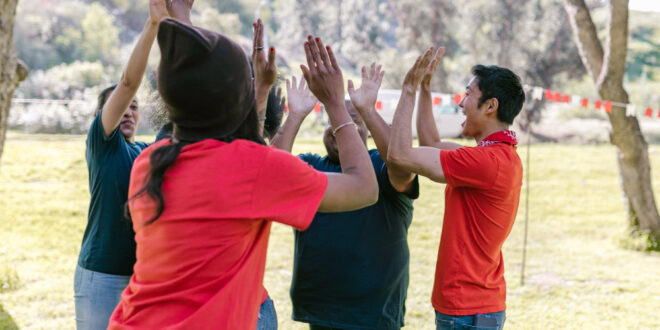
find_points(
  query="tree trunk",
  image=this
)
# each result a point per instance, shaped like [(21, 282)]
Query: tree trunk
[(12, 71), (607, 69)]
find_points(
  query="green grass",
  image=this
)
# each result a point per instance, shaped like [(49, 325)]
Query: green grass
[(578, 275)]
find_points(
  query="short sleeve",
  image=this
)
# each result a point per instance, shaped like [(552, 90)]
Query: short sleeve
[(288, 190), (97, 142), (474, 167)]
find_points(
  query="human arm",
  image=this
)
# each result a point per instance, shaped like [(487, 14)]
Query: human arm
[(427, 131), (356, 187), (180, 10), (301, 103), (422, 160), (123, 95), (364, 101), (265, 71)]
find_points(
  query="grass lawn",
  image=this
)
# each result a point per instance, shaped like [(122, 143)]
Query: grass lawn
[(578, 273)]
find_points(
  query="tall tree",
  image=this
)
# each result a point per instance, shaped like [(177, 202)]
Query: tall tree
[(12, 71), (607, 65)]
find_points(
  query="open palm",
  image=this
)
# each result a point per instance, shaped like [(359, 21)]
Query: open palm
[(301, 100), (364, 98)]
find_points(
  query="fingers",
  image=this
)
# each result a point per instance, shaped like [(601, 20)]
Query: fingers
[(364, 73), (314, 51), (310, 59), (271, 58), (372, 71), (306, 73), (323, 53), (380, 77), (302, 84), (351, 87), (333, 60), (288, 84)]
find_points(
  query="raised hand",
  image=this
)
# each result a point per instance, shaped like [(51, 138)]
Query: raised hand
[(157, 11), (265, 71), (430, 70), (364, 98), (322, 72), (414, 76), (301, 101), (180, 10)]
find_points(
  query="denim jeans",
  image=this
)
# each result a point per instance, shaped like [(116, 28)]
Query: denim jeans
[(96, 296), (267, 316), (494, 321)]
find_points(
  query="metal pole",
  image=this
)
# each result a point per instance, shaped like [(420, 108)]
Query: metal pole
[(524, 254)]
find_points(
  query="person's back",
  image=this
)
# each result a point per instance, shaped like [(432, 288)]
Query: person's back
[(211, 239)]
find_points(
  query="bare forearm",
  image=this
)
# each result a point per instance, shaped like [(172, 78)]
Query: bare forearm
[(401, 133), (427, 131), (380, 132), (285, 137), (130, 81), (352, 152)]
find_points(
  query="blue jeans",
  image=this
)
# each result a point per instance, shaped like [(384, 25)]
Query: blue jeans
[(490, 321), (96, 296), (267, 316)]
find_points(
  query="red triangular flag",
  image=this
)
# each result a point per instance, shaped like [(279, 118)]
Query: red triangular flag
[(379, 105), (566, 99), (548, 94), (457, 98), (608, 107), (437, 100), (649, 112), (585, 102), (317, 108), (598, 103)]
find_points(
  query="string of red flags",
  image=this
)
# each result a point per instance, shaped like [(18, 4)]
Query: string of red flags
[(387, 101), (540, 94)]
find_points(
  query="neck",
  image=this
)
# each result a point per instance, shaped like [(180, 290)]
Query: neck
[(491, 128)]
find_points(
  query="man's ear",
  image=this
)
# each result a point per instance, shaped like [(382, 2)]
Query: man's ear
[(493, 105)]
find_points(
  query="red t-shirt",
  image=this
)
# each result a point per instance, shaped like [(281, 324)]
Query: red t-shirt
[(200, 265), (481, 202)]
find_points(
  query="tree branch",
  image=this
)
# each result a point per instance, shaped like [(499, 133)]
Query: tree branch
[(589, 46), (617, 44)]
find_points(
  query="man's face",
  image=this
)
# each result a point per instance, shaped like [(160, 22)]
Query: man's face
[(329, 140), (475, 116), (129, 122)]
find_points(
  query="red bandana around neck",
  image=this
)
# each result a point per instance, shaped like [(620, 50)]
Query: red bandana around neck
[(505, 136)]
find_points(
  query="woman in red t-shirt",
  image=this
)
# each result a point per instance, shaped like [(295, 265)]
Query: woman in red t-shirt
[(202, 202)]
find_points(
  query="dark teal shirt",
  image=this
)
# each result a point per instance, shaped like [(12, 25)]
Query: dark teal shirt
[(108, 244), (351, 269)]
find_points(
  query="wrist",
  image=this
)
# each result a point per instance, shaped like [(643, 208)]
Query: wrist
[(425, 88), (408, 89)]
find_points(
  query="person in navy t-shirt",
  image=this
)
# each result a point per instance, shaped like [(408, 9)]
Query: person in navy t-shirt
[(351, 268)]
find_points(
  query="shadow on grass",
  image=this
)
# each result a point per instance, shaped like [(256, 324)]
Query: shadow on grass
[(6, 322)]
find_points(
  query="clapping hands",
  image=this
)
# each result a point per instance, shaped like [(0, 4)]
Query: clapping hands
[(322, 73)]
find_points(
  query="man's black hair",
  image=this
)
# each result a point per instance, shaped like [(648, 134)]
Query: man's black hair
[(502, 84), (103, 97)]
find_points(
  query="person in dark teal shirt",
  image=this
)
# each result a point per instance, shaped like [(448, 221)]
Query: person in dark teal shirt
[(107, 253), (351, 268)]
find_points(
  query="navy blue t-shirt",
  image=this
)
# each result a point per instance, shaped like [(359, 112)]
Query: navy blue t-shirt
[(108, 244), (351, 269)]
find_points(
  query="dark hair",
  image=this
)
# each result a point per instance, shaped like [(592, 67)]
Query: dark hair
[(163, 157), (502, 84), (103, 97), (274, 111)]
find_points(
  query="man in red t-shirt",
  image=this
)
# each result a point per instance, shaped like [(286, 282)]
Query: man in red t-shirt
[(482, 193)]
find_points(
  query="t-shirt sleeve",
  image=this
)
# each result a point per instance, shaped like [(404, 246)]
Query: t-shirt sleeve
[(97, 142), (473, 167), (403, 200), (288, 190)]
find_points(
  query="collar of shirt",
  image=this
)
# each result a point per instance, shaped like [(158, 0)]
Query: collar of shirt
[(505, 136)]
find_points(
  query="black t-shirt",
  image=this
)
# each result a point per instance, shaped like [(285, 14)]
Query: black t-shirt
[(351, 269), (108, 244)]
